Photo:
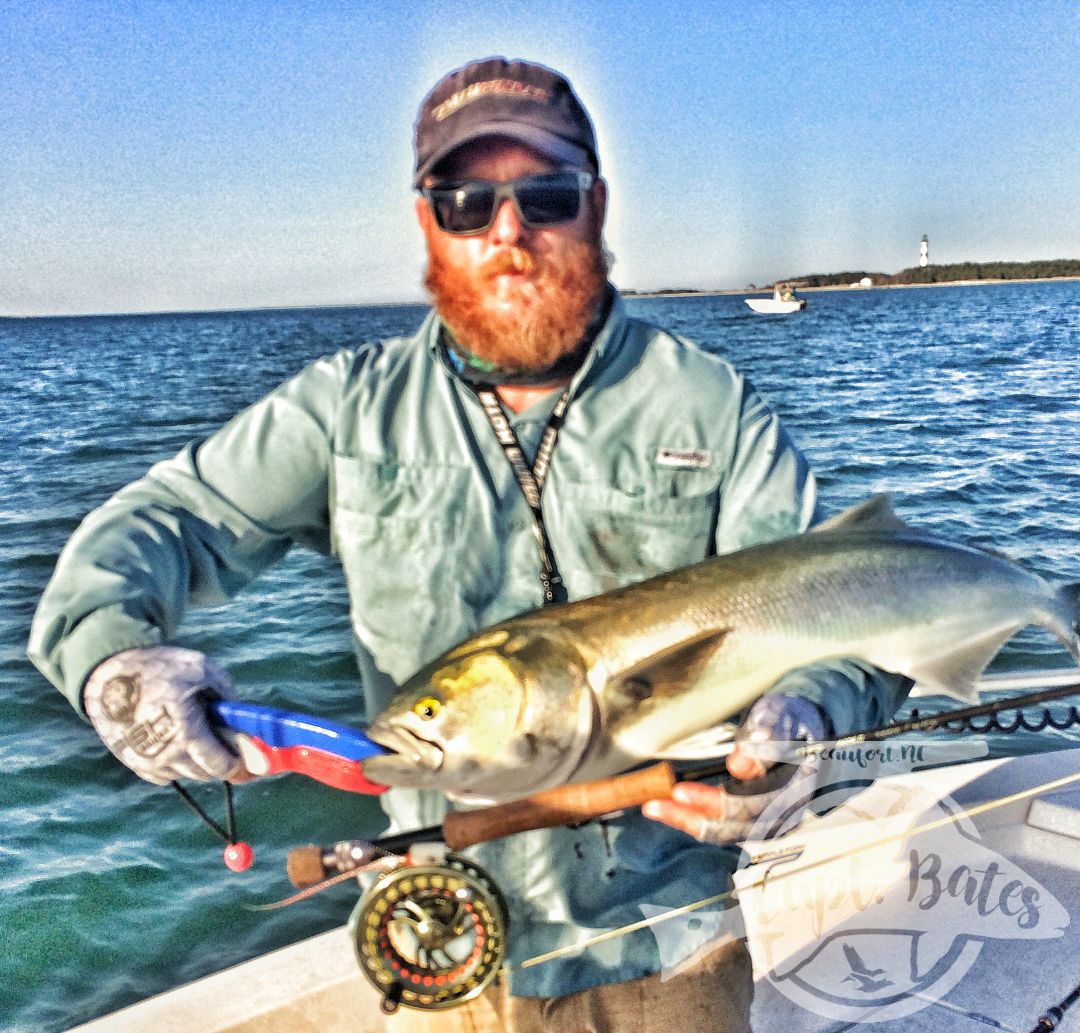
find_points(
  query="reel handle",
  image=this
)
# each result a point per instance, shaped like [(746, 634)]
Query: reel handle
[(563, 805)]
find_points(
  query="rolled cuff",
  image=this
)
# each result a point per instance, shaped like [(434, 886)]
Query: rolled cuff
[(854, 695), (98, 636)]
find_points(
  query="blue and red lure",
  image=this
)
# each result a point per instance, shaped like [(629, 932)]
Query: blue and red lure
[(285, 740), (275, 741)]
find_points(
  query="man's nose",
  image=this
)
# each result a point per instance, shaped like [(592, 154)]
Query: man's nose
[(507, 227)]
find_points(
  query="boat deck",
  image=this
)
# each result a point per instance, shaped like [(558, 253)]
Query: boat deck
[(1014, 976), (992, 947)]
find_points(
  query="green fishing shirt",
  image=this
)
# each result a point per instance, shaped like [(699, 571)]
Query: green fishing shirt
[(382, 456)]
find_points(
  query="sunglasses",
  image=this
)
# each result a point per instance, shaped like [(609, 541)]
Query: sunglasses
[(544, 200)]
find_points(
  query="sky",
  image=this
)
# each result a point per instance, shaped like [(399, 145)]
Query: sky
[(223, 154)]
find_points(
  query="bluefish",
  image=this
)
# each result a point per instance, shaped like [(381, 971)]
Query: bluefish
[(591, 688)]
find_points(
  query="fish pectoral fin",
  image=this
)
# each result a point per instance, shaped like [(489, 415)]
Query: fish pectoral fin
[(957, 672), (875, 514), (634, 708), (669, 672)]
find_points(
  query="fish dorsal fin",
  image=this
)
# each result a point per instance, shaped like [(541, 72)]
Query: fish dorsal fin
[(875, 514)]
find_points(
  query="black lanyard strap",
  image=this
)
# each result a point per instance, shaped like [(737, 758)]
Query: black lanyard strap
[(531, 478)]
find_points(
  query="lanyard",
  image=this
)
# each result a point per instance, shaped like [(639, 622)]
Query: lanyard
[(531, 479)]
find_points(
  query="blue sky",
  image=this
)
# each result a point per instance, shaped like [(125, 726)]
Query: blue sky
[(202, 155)]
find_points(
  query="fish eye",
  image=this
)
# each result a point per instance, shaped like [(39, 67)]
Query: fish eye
[(427, 707)]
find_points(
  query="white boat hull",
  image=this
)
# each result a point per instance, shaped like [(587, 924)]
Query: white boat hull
[(771, 306), (895, 916)]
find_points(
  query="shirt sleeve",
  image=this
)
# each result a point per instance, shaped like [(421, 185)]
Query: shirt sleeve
[(193, 531), (855, 695), (770, 492)]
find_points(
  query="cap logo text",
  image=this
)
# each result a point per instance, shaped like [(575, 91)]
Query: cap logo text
[(497, 87)]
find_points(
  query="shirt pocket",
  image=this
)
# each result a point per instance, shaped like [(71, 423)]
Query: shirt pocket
[(396, 499), (398, 529), (617, 535)]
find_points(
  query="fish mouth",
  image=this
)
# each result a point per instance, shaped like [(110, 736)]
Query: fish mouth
[(404, 745)]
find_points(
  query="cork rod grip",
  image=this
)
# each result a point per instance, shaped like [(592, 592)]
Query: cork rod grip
[(564, 805), (304, 866)]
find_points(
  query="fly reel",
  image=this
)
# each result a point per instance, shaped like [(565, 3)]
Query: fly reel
[(431, 935)]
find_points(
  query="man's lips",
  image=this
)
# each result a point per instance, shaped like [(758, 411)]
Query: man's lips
[(405, 746)]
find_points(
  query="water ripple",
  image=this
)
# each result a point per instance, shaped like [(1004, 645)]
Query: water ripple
[(962, 402)]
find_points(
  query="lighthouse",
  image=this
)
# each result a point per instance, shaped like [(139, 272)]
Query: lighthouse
[(924, 252)]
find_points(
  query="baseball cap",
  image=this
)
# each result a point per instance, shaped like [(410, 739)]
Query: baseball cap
[(495, 97)]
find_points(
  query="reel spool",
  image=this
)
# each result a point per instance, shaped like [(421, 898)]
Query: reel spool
[(431, 936)]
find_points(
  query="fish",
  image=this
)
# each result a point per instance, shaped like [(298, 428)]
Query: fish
[(590, 688)]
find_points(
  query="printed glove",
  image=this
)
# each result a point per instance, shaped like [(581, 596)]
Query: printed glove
[(770, 728), (148, 706), (772, 725)]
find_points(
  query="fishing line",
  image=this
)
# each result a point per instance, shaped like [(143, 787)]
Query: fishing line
[(963, 720), (951, 720), (384, 857), (379, 864), (228, 834), (238, 856), (612, 934), (989, 805)]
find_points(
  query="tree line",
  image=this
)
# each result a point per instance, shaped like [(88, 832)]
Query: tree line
[(1039, 270)]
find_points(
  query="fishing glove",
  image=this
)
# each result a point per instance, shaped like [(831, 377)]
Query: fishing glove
[(773, 727), (774, 724), (148, 706)]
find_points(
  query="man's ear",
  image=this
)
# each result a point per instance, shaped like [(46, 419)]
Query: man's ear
[(598, 198), (423, 215)]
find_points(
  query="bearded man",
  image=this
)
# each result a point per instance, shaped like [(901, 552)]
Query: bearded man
[(531, 443)]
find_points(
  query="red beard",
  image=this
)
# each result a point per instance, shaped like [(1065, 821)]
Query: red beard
[(556, 302)]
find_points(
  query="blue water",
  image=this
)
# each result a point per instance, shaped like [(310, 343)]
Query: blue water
[(961, 401)]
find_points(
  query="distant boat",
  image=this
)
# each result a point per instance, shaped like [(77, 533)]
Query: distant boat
[(773, 306), (783, 300)]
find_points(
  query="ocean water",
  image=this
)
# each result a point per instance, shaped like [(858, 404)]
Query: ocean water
[(963, 402)]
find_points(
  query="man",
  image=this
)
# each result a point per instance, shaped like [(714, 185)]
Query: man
[(395, 457)]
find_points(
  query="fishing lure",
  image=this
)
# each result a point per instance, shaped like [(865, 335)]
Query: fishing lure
[(272, 741)]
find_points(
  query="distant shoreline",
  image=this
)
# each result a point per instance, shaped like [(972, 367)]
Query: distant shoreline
[(843, 287), (627, 293)]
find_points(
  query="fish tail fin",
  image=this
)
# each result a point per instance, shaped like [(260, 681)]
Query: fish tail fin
[(1070, 600)]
